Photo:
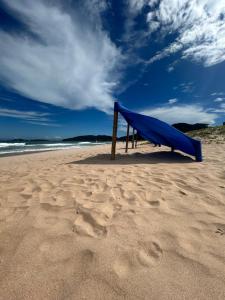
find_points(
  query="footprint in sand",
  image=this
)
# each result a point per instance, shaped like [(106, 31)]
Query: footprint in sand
[(87, 193), (49, 207), (89, 224), (125, 264), (100, 197), (50, 223), (149, 255), (220, 229), (78, 180), (162, 181), (182, 192), (26, 196), (154, 203), (87, 257)]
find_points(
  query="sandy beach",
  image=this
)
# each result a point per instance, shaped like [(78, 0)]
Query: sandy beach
[(76, 225)]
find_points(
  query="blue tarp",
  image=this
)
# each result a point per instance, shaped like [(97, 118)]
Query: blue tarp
[(160, 133)]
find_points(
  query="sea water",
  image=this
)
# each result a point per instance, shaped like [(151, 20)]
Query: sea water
[(24, 147)]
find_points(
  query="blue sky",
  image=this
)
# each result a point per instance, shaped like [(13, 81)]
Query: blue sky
[(64, 63)]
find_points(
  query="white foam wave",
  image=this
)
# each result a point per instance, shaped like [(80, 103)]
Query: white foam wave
[(37, 150), (91, 143), (57, 145), (5, 145)]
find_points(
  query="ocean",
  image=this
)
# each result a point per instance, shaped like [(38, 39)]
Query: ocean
[(9, 148)]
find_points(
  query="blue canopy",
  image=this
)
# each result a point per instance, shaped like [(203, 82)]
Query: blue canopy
[(160, 132)]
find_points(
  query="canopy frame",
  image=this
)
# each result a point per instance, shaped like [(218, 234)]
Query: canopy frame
[(166, 135)]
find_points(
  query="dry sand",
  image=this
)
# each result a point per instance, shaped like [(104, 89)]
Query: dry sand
[(75, 225)]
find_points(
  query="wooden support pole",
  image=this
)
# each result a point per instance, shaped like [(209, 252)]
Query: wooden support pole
[(114, 134), (136, 138), (133, 139), (127, 137)]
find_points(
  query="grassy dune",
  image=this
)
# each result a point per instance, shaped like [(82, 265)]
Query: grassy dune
[(209, 135)]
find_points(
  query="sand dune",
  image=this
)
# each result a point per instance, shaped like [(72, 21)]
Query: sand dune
[(75, 225)]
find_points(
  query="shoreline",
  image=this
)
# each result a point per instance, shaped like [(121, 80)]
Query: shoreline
[(53, 150), (22, 153)]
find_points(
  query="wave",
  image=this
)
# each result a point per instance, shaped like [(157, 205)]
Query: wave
[(37, 150), (14, 148), (92, 143), (5, 145), (54, 145)]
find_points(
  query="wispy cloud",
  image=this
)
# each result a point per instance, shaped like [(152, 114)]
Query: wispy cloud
[(68, 60), (218, 94), (198, 24), (220, 109), (172, 101), (42, 124), (185, 87), (122, 125), (172, 48), (219, 99), (170, 69), (182, 114), (32, 117)]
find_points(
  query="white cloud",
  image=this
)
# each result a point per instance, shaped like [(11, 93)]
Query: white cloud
[(221, 109), (72, 63), (42, 124), (122, 125), (172, 101), (185, 87), (135, 6), (172, 48), (32, 117), (170, 69), (219, 99), (199, 25), (182, 114), (218, 94)]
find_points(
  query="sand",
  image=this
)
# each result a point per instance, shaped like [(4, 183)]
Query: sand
[(75, 225)]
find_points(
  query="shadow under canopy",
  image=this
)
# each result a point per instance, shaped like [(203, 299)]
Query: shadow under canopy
[(136, 158)]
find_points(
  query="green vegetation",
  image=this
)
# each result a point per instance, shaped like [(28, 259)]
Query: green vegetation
[(211, 134)]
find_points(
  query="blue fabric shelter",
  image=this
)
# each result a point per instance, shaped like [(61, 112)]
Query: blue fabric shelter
[(159, 132)]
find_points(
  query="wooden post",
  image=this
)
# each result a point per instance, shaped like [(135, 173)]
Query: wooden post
[(127, 137), (114, 134), (133, 139), (136, 137)]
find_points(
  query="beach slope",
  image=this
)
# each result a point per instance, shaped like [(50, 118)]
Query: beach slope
[(149, 225)]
